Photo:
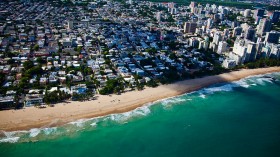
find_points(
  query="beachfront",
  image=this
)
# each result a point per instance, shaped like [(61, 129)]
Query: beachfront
[(62, 113)]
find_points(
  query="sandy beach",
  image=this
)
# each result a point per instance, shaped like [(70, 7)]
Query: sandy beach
[(62, 113)]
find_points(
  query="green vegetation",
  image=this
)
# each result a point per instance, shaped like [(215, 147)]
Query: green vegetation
[(36, 47), (55, 97), (152, 83), (28, 64), (83, 96), (263, 62), (112, 86)]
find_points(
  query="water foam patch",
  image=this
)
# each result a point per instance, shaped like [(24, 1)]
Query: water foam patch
[(123, 117), (80, 122), (9, 140), (169, 102), (94, 124), (174, 100), (34, 132), (12, 136), (48, 131), (203, 96)]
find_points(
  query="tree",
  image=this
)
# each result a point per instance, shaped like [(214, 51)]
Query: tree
[(152, 83), (151, 51), (36, 47), (112, 86), (34, 70), (41, 60), (28, 64), (79, 49), (139, 86)]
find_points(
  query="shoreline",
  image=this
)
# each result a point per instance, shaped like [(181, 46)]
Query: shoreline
[(62, 113)]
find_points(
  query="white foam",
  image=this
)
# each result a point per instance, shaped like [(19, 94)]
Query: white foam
[(34, 132), (12, 137), (9, 140), (203, 96), (211, 90), (13, 133), (245, 83), (173, 100), (80, 122), (93, 124), (123, 117), (242, 83), (48, 131)]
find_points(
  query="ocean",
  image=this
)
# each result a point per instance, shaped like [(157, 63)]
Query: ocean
[(238, 119)]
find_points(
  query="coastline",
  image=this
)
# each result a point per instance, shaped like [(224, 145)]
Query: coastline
[(62, 113)]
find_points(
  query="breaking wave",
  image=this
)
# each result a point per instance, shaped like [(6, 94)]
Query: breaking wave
[(244, 83)]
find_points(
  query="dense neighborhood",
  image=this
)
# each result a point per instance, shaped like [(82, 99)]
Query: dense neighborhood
[(52, 51)]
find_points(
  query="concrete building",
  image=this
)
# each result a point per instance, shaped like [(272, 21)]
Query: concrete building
[(237, 31), (33, 99), (275, 17), (250, 34), (258, 13), (275, 51), (272, 37), (239, 49), (158, 16), (264, 26), (222, 47), (217, 38), (229, 63), (70, 24), (226, 33), (209, 23), (193, 5), (190, 27), (251, 52), (247, 13)]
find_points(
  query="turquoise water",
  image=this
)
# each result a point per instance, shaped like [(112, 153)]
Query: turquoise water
[(239, 119)]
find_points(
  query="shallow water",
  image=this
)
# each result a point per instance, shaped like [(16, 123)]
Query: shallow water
[(225, 120)]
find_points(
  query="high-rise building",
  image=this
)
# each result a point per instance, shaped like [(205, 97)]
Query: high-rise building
[(260, 45), (193, 5), (250, 34), (234, 24), (239, 49), (251, 52), (272, 37), (203, 45), (226, 33), (275, 17), (264, 26), (171, 5), (158, 16), (70, 24), (173, 11), (222, 47), (237, 31), (258, 13), (217, 38), (275, 51), (209, 23), (190, 27)]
